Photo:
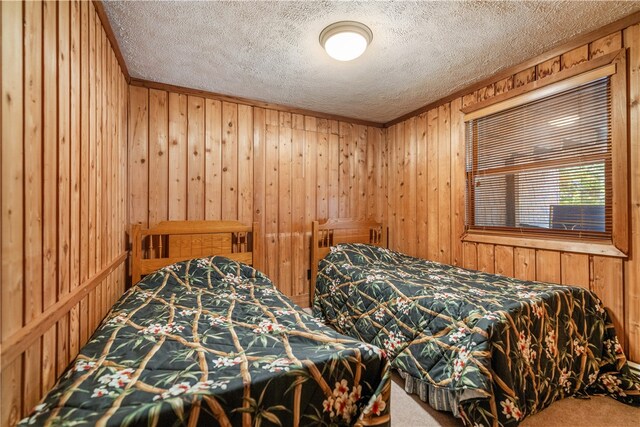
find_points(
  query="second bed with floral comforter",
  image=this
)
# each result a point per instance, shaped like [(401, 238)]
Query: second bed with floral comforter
[(489, 348), (212, 342)]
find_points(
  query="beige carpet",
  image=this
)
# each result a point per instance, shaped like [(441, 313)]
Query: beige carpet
[(408, 411)]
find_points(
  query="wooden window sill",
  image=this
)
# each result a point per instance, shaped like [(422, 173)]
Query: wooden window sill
[(604, 248)]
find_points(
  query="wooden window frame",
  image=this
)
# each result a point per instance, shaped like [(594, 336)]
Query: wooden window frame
[(613, 65)]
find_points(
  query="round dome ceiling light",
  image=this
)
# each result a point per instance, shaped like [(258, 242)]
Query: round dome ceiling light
[(345, 40)]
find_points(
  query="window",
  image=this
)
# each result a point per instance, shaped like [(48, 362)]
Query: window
[(544, 167)]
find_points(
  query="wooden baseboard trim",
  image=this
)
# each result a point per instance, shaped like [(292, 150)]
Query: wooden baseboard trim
[(17, 343)]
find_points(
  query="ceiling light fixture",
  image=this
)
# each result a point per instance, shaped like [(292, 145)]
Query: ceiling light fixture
[(345, 40)]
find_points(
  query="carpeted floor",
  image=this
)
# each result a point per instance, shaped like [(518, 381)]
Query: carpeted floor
[(408, 411)]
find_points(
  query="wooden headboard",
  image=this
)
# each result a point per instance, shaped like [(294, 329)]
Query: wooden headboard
[(335, 231), (173, 241)]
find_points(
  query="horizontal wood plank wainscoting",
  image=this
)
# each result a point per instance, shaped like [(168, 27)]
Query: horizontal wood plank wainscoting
[(425, 157), (200, 156), (64, 114)]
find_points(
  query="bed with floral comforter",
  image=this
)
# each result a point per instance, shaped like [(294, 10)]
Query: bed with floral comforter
[(212, 342), (489, 348)]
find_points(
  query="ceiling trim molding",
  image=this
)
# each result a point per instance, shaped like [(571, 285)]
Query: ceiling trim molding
[(102, 14), (578, 41), (246, 101)]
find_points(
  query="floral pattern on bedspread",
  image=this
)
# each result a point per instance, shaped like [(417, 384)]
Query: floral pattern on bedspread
[(212, 342), (497, 348)]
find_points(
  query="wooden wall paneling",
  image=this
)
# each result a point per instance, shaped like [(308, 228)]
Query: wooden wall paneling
[(33, 172), (470, 98), (322, 170), (106, 142), (344, 177), (574, 57), (213, 159), (48, 359), (574, 269), (284, 198), (548, 68), (92, 152), (352, 166), (605, 45), (485, 92), (444, 183), (49, 185), (469, 256), (61, 98), (619, 160), (312, 162), (229, 161), (632, 265), (501, 86), (504, 260), (12, 202), (391, 182), (608, 271), (245, 164), (124, 172), (74, 165), (333, 187), (113, 117), (381, 192), (103, 171), (159, 156), (358, 172), (84, 166), (384, 185), (272, 205), (259, 175), (433, 226), (523, 77), (195, 158), (299, 198), (64, 153), (138, 155), (421, 185), (524, 263), (370, 177), (177, 155), (410, 186), (486, 257), (98, 161), (399, 230), (548, 266), (458, 180)]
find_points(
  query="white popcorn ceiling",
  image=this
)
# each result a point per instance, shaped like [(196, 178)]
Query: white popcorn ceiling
[(269, 51)]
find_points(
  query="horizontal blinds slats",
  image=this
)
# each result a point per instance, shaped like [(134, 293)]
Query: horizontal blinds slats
[(543, 167)]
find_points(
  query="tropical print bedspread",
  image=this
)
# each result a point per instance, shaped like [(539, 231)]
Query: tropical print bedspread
[(489, 348), (212, 342)]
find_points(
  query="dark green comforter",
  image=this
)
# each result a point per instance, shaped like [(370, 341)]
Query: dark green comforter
[(212, 342), (489, 348)]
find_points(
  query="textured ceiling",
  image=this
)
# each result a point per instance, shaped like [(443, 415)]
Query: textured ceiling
[(269, 51)]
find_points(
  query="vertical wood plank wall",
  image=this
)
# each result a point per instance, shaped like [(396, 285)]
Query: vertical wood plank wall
[(193, 157), (64, 114), (426, 185), (71, 184)]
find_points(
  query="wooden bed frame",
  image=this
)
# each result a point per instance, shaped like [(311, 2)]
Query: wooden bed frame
[(335, 231), (173, 241)]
